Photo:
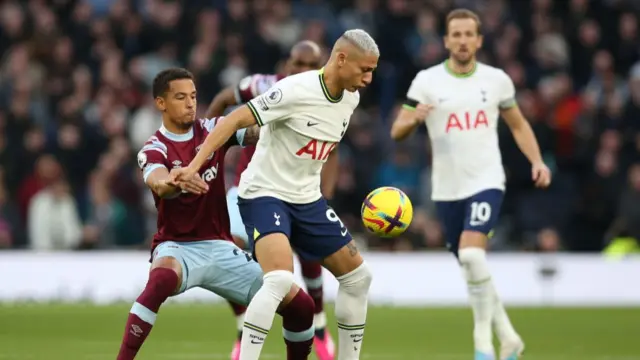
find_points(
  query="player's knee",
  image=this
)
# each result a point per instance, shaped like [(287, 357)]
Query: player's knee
[(474, 263), (278, 283), (358, 281), (163, 281), (471, 256), (301, 307)]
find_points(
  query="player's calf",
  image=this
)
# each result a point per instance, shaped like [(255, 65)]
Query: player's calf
[(297, 312), (354, 278), (312, 276), (276, 259), (472, 257), (164, 280), (238, 311)]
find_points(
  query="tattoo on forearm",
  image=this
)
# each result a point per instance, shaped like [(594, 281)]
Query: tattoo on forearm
[(353, 249)]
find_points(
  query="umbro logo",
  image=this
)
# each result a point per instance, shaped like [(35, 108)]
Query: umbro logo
[(310, 124)]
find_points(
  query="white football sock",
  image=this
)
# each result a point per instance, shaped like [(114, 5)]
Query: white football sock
[(262, 310), (351, 311), (481, 298), (501, 322)]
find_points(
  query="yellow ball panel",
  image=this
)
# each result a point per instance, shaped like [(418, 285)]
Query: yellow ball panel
[(387, 212)]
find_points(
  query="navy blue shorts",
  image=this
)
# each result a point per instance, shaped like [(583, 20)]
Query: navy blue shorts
[(479, 212), (314, 230)]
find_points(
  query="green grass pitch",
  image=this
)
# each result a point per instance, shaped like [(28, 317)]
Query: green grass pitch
[(201, 331)]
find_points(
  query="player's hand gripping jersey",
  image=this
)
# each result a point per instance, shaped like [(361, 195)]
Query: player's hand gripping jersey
[(189, 217), (301, 124), (463, 127)]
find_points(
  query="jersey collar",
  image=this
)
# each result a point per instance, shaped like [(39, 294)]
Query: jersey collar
[(461, 76), (325, 90), (176, 137)]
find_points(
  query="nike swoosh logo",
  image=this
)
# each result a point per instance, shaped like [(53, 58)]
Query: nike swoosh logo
[(357, 340), (311, 124), (343, 233), (256, 342)]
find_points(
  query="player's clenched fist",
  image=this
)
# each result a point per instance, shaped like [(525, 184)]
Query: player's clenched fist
[(541, 175), (422, 111), (187, 181)]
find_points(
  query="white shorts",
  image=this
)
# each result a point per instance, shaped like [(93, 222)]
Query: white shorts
[(237, 226)]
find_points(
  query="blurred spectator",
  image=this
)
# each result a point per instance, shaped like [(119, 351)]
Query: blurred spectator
[(75, 104), (54, 223)]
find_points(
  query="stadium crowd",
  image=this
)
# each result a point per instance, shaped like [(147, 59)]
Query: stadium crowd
[(75, 106)]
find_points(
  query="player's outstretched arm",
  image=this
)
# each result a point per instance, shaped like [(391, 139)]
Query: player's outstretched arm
[(224, 99), (526, 140), (239, 118), (160, 183), (408, 120)]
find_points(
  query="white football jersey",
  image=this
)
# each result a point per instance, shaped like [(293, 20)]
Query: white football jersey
[(463, 127), (301, 124)]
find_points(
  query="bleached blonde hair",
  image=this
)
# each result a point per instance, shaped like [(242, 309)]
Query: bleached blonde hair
[(362, 40)]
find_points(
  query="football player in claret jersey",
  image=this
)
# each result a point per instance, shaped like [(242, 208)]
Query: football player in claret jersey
[(461, 100), (193, 245), (304, 56), (302, 117)]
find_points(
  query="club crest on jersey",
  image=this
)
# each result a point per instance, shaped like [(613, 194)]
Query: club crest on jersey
[(177, 164), (274, 96), (198, 150), (142, 159)]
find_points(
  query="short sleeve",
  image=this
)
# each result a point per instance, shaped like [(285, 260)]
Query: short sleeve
[(152, 156), (507, 93), (415, 94), (275, 104)]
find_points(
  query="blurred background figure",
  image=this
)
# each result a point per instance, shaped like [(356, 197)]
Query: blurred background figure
[(75, 105)]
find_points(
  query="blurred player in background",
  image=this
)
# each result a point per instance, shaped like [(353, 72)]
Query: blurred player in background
[(193, 246), (302, 118), (461, 101), (304, 56)]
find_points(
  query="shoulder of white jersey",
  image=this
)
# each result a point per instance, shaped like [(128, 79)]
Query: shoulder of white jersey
[(492, 71)]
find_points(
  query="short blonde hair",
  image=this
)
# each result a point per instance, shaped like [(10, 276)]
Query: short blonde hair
[(463, 14)]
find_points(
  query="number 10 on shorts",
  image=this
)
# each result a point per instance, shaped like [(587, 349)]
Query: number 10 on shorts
[(480, 213)]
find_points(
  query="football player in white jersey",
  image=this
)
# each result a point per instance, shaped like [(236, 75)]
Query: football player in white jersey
[(304, 56), (461, 101), (302, 118)]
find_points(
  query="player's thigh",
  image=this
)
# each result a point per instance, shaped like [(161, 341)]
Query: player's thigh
[(228, 271), (171, 255), (451, 215), (268, 223), (318, 234), (235, 219), (482, 212)]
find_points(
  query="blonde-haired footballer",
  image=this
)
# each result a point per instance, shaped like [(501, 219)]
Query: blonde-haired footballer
[(461, 100)]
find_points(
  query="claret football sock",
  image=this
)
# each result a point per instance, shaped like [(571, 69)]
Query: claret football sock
[(297, 326), (162, 283)]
